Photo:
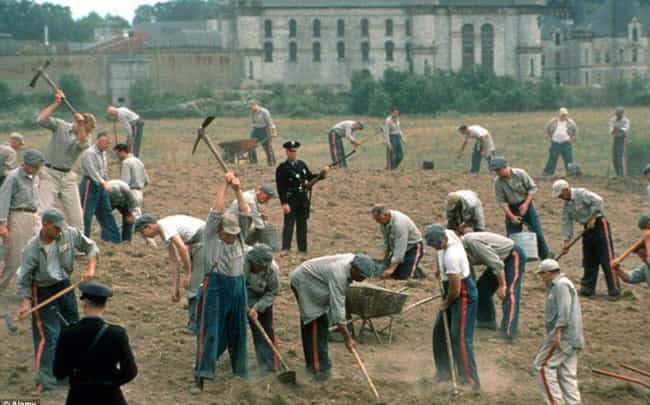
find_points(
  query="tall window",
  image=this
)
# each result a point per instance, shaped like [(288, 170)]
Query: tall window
[(543, 60), (268, 51), (316, 51), (268, 28), (468, 45), (409, 52), (407, 28), (597, 57), (558, 59), (621, 56), (586, 56), (587, 78), (293, 52), (340, 28), (635, 34), (389, 47), (365, 52), (487, 47), (557, 38), (532, 67), (364, 27), (558, 78), (316, 28), (635, 55), (340, 50), (389, 28), (250, 70), (293, 28), (607, 59)]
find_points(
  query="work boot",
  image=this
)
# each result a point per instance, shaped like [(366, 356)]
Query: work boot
[(586, 292), (491, 325), (197, 388)]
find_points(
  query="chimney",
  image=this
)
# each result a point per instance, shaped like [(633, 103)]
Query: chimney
[(579, 13), (46, 34)]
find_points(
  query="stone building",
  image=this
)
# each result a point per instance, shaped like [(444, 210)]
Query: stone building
[(325, 41)]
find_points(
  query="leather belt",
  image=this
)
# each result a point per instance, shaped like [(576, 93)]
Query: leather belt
[(31, 210)]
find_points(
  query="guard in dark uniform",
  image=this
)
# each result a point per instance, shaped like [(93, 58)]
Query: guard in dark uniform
[(95, 356), (292, 177)]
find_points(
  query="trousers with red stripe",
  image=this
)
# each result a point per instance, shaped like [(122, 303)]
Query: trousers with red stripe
[(336, 149), (515, 266), (266, 359), (409, 266), (47, 323), (557, 374), (314, 343), (598, 251), (461, 316)]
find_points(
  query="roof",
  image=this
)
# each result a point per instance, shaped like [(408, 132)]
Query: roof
[(613, 17), (396, 3), (549, 25)]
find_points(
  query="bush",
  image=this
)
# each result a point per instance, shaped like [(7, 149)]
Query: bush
[(142, 94), (203, 90), (5, 94), (638, 155), (379, 103), (73, 88)]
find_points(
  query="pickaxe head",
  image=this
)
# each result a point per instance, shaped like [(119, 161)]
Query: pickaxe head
[(201, 132), (39, 72), (10, 323)]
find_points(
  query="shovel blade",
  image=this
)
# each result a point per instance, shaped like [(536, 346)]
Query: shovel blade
[(287, 377), (199, 135), (10, 323)]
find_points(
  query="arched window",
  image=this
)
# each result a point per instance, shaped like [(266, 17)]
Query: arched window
[(635, 55), (364, 27), (557, 38), (340, 50), (389, 28), (468, 45), (532, 67), (635, 34), (409, 52), (487, 47), (293, 28), (293, 52), (365, 52), (316, 51), (407, 28), (340, 28), (316, 28), (389, 47), (268, 51), (268, 29)]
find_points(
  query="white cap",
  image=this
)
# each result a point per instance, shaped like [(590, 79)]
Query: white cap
[(547, 265), (563, 111), (558, 186)]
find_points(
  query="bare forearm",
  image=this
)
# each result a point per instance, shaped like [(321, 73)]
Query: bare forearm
[(243, 205), (219, 199), (48, 111)]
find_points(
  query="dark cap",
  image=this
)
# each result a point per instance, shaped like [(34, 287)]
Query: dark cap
[(644, 221), (95, 292), (269, 190), (498, 163), (144, 220), (434, 235), (291, 145), (33, 158), (54, 216)]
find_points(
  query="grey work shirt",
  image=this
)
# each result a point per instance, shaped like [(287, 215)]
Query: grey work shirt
[(256, 209), (321, 285), (391, 127), (470, 211), (620, 127), (262, 118), (488, 249), (515, 190), (572, 128), (121, 196), (262, 287), (94, 165), (18, 192), (400, 235), (133, 173), (64, 147), (127, 118), (344, 128), (563, 311), (220, 257), (580, 208), (8, 160), (35, 268), (640, 274)]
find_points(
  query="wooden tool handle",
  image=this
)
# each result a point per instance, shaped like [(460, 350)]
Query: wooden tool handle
[(570, 245), (636, 370), (365, 372), (49, 300), (56, 88), (630, 250), (620, 377), (259, 327), (445, 325)]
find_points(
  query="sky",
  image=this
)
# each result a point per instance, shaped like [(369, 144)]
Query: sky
[(81, 8)]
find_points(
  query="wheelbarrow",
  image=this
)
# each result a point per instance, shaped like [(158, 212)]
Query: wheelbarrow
[(234, 151)]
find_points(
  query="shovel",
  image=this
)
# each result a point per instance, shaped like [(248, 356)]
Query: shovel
[(365, 374), (287, 376)]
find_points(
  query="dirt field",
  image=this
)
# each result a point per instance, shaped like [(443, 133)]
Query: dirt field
[(615, 332)]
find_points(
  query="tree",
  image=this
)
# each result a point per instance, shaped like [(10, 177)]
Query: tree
[(73, 89)]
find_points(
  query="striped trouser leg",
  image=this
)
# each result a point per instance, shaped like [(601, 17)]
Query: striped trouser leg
[(556, 375)]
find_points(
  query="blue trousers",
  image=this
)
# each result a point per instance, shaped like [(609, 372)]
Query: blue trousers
[(395, 156), (337, 151), (127, 229), (95, 201), (260, 134), (46, 327), (598, 251), (138, 132), (461, 317), (221, 313), (266, 359), (618, 155), (515, 266), (409, 267), (475, 164), (534, 225), (556, 150)]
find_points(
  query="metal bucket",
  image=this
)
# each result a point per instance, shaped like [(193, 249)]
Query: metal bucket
[(527, 241), (268, 235)]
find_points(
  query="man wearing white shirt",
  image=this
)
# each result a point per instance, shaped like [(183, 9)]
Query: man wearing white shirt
[(483, 147), (394, 139), (562, 132), (131, 123), (459, 306), (344, 129)]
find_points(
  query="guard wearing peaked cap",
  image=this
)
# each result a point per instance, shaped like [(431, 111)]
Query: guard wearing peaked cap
[(96, 357)]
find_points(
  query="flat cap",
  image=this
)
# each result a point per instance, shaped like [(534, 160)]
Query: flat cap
[(230, 223), (144, 220), (54, 216), (251, 101), (497, 163), (644, 221), (269, 190), (34, 158), (434, 235), (547, 265), (95, 291), (564, 111), (366, 266), (291, 145), (646, 169), (453, 199), (17, 137), (620, 109), (261, 255), (558, 186)]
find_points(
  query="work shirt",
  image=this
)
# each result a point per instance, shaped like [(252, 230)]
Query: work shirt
[(648, 193), (8, 160), (121, 196), (262, 118), (580, 208), (184, 226), (488, 249), (35, 267), (262, 287), (639, 275), (344, 128), (479, 134), (64, 147), (256, 209), (620, 127), (391, 127), (515, 190), (453, 259), (563, 311), (127, 118), (400, 235), (469, 211), (18, 192), (564, 135), (225, 259), (94, 165), (133, 173), (321, 285)]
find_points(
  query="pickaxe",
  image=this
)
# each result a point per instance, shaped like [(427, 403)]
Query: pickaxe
[(41, 72), (200, 134)]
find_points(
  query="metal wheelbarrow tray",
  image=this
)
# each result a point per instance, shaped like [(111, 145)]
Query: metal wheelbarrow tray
[(234, 151)]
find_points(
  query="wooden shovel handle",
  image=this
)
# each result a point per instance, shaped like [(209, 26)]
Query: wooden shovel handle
[(49, 300), (365, 372), (259, 327), (636, 370), (620, 377)]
